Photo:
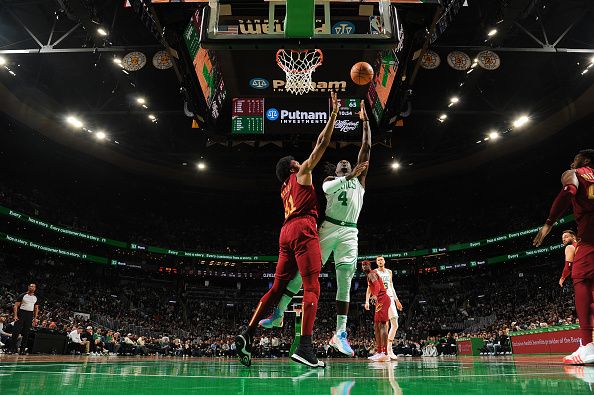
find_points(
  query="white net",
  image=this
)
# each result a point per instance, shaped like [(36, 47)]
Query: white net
[(298, 67)]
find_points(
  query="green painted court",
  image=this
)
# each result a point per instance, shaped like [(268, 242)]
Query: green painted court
[(120, 375)]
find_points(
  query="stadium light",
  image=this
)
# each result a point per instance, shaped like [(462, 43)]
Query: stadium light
[(592, 59), (395, 165), (117, 61), (492, 32), (2, 60), (152, 117), (201, 165), (585, 71), (442, 117), (521, 121), (140, 100), (102, 31), (77, 123), (494, 135), (100, 135), (453, 100)]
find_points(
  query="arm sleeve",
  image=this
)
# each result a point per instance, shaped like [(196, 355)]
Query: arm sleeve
[(561, 203), (333, 185), (566, 270)]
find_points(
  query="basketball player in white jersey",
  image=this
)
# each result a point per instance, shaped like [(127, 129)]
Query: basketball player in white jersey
[(395, 305), (339, 235)]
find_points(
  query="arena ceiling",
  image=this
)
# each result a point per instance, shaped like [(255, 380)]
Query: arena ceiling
[(57, 65)]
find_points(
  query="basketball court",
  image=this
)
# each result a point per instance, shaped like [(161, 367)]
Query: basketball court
[(117, 375)]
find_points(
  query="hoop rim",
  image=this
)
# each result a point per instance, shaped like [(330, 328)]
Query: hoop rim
[(308, 70)]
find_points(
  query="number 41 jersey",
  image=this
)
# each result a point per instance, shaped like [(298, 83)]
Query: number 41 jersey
[(346, 203)]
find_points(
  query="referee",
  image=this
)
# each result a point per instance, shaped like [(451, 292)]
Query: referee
[(25, 316)]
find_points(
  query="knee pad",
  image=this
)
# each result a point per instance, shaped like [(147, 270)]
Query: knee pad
[(344, 276)]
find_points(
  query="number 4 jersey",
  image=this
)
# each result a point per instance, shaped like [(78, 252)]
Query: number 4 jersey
[(345, 201)]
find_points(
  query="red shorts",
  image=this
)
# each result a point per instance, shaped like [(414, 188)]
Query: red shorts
[(299, 249), (583, 262), (382, 306)]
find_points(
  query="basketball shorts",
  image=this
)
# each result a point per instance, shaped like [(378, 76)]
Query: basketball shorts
[(583, 261), (299, 249), (342, 240), (382, 309)]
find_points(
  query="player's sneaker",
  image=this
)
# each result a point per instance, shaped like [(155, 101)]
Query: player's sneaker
[(275, 320), (306, 355), (375, 356), (584, 354), (381, 357), (340, 343), (243, 345)]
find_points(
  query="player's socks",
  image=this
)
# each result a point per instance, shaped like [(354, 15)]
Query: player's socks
[(341, 321), (284, 302)]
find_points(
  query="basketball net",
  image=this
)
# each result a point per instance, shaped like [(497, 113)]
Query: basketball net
[(298, 67)]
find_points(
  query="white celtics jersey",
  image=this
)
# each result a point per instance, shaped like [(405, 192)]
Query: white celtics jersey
[(346, 203), (385, 276)]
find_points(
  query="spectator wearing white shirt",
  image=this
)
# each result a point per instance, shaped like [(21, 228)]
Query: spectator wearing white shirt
[(77, 344)]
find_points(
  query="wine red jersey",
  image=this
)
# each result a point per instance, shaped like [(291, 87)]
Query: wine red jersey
[(583, 204), (298, 200), (376, 285)]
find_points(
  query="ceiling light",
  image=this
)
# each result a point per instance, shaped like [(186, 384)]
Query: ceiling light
[(152, 117), (521, 121), (454, 99), (201, 165), (480, 141), (395, 165), (102, 31), (117, 60), (443, 117), (74, 122), (470, 71), (492, 32), (585, 71), (100, 135), (2, 61), (140, 100), (125, 72), (592, 59), (494, 135)]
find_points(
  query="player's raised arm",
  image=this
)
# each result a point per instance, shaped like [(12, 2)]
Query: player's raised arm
[(560, 205), (365, 151), (304, 174)]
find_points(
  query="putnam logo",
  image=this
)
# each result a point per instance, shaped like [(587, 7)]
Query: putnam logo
[(316, 86), (259, 83), (297, 117)]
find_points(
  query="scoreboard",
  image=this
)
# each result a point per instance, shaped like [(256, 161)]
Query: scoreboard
[(247, 116)]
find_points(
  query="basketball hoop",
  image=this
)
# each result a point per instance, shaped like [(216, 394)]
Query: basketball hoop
[(298, 67)]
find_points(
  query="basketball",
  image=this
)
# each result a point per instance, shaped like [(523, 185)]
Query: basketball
[(361, 73)]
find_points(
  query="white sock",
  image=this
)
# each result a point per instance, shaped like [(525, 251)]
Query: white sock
[(341, 321)]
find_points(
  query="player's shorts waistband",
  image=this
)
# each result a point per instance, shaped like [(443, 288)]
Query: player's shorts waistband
[(341, 223)]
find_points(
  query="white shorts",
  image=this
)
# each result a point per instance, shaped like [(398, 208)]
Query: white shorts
[(342, 240)]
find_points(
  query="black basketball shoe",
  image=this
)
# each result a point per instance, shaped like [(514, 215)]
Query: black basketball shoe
[(306, 355), (243, 345)]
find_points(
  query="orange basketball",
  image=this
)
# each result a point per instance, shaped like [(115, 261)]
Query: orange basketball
[(361, 73)]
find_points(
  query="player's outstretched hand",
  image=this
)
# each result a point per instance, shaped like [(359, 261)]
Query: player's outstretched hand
[(561, 281), (399, 305), (334, 98), (356, 172), (540, 236), (362, 112), (367, 306)]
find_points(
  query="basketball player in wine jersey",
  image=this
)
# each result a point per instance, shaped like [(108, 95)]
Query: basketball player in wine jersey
[(299, 248), (395, 305), (338, 235), (382, 302), (570, 242), (578, 191)]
